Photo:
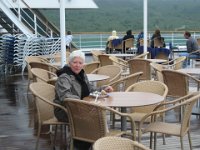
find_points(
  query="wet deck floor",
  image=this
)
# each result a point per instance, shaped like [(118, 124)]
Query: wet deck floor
[(16, 119)]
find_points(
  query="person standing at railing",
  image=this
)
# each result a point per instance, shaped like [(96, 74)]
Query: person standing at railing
[(68, 40)]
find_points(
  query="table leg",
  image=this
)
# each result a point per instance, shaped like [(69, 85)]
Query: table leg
[(123, 120)]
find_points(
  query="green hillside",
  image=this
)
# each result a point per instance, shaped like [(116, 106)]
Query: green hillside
[(167, 15)]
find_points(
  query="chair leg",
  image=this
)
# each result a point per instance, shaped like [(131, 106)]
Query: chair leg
[(189, 138), (38, 136), (181, 140), (164, 142), (155, 140), (151, 136)]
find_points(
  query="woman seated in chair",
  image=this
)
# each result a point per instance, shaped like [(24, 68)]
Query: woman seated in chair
[(72, 82), (157, 35)]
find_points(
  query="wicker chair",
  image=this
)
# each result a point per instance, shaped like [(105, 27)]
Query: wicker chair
[(41, 75), (157, 68), (140, 65), (29, 59), (175, 64), (95, 54), (179, 129), (44, 95), (104, 60), (156, 87), (89, 67), (143, 55), (122, 85), (113, 71), (128, 44), (178, 82), (117, 143), (122, 63), (88, 121), (44, 66)]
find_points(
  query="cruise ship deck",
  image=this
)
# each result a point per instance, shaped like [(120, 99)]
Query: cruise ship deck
[(17, 130)]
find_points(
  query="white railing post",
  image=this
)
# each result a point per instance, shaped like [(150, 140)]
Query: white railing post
[(19, 10), (35, 24), (80, 41)]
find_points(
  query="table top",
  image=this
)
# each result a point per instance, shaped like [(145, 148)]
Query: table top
[(122, 55), (97, 77), (195, 71), (128, 99), (157, 60)]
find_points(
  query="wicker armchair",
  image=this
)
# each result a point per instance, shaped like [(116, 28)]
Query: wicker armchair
[(180, 128), (117, 143), (175, 64), (156, 87), (88, 121), (44, 66), (95, 54), (120, 62), (89, 67), (44, 95), (157, 68), (42, 75), (143, 55), (121, 85), (104, 60), (113, 71), (178, 82), (140, 65)]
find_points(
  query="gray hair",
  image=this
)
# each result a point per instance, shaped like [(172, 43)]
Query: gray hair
[(76, 53)]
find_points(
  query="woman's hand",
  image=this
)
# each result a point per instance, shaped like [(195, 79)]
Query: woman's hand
[(108, 89)]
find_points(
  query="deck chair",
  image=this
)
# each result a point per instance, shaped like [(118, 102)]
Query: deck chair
[(113, 71), (117, 143), (104, 60), (179, 129), (41, 75), (44, 95), (89, 67), (88, 121), (140, 65)]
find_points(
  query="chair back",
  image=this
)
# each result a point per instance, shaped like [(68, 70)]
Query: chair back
[(120, 62), (143, 55), (117, 143), (157, 68), (176, 82), (104, 60), (87, 120), (95, 54), (128, 44), (113, 71), (89, 67), (29, 59), (178, 62), (124, 83), (150, 86), (140, 65), (41, 75), (158, 42), (44, 66), (44, 95)]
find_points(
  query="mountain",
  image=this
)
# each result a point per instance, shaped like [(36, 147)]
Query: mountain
[(121, 15)]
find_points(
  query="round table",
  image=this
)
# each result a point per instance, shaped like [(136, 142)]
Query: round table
[(127, 99), (157, 60), (97, 77), (193, 71)]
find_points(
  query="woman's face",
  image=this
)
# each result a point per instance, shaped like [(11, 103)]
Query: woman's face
[(77, 64)]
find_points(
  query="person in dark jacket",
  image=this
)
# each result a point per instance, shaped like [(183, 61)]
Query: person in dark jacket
[(72, 82), (128, 35)]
